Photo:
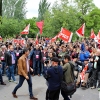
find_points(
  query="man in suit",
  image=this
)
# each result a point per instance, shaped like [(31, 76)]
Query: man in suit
[(24, 73)]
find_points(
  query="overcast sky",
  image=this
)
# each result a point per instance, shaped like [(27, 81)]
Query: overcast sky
[(32, 7)]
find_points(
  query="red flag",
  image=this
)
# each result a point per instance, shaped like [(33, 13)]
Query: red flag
[(26, 30), (54, 39), (36, 41), (98, 35), (80, 31), (0, 38), (92, 34), (40, 26), (97, 38), (65, 35)]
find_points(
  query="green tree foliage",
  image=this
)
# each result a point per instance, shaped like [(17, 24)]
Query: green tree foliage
[(0, 7), (71, 15), (92, 21), (60, 16), (11, 27), (43, 7), (14, 9), (83, 8)]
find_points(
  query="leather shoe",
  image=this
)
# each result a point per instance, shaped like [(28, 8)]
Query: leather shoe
[(14, 95), (3, 83), (33, 98)]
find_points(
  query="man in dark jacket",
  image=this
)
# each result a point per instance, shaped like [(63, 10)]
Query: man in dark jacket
[(54, 78), (36, 57), (10, 59)]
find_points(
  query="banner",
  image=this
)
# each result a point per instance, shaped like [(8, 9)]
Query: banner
[(26, 30), (18, 41), (80, 31), (65, 35), (40, 26)]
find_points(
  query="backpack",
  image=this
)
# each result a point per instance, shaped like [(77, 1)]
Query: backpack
[(69, 89)]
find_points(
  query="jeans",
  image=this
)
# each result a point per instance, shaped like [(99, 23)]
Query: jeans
[(3, 67), (21, 80), (1, 79), (11, 72), (64, 95), (42, 68), (36, 67)]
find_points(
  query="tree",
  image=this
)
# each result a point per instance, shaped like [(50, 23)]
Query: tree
[(14, 8), (0, 11), (60, 16), (83, 7), (11, 27), (43, 7), (92, 21), (0, 7)]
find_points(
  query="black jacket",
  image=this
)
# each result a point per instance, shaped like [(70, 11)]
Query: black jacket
[(8, 58)]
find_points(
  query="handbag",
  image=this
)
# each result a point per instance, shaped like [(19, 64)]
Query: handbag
[(70, 88)]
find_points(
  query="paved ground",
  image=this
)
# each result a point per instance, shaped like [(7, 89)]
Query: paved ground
[(39, 88)]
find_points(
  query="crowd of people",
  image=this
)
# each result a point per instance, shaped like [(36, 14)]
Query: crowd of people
[(51, 60)]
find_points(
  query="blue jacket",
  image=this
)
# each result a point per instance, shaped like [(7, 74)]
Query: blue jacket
[(33, 54), (55, 75), (84, 53)]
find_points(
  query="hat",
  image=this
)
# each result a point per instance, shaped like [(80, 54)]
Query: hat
[(55, 59)]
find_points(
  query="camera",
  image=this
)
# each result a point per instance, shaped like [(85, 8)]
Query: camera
[(47, 61)]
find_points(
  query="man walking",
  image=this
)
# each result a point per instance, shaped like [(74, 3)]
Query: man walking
[(24, 73)]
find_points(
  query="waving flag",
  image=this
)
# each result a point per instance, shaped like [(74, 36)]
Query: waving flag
[(37, 41), (0, 38), (97, 38), (40, 26), (54, 39), (80, 31), (93, 36), (65, 35), (26, 30)]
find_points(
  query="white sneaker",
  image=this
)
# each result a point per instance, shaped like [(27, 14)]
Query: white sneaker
[(15, 82)]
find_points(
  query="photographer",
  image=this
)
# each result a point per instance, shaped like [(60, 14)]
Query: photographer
[(53, 76)]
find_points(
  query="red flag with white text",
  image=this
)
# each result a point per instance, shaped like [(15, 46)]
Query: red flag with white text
[(26, 30), (93, 36), (65, 35), (40, 26), (80, 31)]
